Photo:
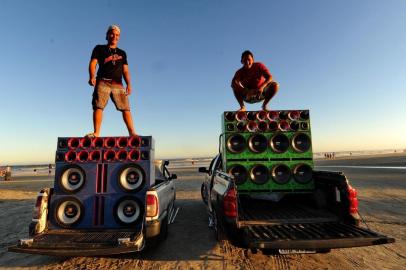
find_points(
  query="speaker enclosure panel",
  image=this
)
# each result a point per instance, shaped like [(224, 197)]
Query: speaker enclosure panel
[(271, 185), (268, 153)]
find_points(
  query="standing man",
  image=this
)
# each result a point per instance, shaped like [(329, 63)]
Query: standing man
[(253, 82), (113, 66)]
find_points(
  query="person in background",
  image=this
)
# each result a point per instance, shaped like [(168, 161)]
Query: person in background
[(253, 82), (112, 67)]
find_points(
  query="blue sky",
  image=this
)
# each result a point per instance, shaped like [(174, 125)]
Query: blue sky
[(343, 60)]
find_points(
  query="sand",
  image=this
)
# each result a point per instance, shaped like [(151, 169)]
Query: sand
[(191, 244)]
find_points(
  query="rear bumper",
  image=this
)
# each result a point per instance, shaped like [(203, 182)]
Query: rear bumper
[(81, 244), (153, 228)]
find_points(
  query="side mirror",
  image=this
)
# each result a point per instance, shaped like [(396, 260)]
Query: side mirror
[(173, 176), (203, 170)]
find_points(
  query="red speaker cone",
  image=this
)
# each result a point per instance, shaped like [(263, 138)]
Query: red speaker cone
[(85, 142), (134, 155), (284, 125), (95, 155), (83, 156), (262, 115), (229, 116), (241, 116), (73, 143), (294, 115), (273, 115), (134, 142), (98, 142), (252, 126), (70, 156), (121, 155), (110, 142), (109, 155)]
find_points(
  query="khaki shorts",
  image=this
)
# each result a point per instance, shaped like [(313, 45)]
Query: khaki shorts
[(104, 90)]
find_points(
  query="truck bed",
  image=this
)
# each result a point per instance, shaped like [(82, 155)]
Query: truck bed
[(299, 225)]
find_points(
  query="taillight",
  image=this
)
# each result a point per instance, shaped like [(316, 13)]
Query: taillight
[(352, 198), (230, 204), (37, 211), (152, 205)]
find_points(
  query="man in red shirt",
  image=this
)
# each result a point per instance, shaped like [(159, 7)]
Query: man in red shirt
[(253, 82)]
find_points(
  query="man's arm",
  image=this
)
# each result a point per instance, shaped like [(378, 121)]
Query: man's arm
[(92, 71), (268, 79), (127, 78)]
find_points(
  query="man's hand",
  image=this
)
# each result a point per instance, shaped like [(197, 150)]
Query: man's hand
[(128, 90), (92, 81)]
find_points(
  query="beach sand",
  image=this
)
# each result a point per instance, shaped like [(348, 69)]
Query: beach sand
[(191, 244)]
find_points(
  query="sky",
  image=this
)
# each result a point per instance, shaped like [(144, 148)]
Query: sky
[(343, 60)]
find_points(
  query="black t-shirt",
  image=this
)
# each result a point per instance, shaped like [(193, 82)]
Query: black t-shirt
[(110, 62)]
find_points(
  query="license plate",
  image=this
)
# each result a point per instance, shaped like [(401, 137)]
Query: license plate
[(296, 251)]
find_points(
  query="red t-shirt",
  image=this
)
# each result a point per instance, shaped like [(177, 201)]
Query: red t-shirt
[(252, 78)]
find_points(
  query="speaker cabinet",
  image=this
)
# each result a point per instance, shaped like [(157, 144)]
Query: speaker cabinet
[(108, 211)]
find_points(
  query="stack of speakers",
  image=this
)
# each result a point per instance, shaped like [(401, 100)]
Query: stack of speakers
[(101, 183), (268, 150)]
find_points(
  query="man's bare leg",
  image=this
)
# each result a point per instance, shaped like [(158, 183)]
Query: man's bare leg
[(239, 95), (128, 120), (97, 120), (271, 91)]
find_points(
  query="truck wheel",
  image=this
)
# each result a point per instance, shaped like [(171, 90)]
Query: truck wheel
[(203, 193)]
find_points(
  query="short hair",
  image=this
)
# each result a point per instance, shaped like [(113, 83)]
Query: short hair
[(246, 53)]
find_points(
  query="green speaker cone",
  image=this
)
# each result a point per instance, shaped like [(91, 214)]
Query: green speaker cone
[(258, 143), (236, 143), (281, 174), (259, 174), (303, 173), (239, 172), (301, 142), (279, 143)]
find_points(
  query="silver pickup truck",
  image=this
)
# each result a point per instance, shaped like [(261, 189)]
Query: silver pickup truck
[(151, 225)]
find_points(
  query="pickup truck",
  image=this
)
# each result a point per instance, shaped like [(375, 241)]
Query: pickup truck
[(102, 223), (309, 222)]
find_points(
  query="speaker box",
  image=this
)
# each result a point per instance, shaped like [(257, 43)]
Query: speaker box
[(267, 145), (262, 175), (109, 211), (262, 121)]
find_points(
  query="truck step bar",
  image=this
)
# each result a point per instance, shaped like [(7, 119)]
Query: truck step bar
[(311, 236), (74, 243)]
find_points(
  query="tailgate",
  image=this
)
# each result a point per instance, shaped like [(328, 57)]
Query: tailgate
[(311, 236), (74, 243)]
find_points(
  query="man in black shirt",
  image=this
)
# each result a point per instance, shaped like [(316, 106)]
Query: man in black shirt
[(113, 65)]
